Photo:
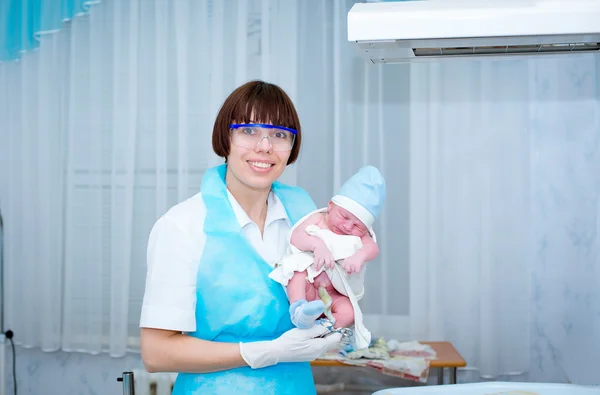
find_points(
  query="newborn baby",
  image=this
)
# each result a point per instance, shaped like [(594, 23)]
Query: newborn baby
[(329, 248)]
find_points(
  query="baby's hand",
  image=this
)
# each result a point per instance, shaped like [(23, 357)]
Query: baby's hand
[(323, 257), (352, 264)]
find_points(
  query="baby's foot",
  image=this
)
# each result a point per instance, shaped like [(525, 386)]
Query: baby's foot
[(304, 314)]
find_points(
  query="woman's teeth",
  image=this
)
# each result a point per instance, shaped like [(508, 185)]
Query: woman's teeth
[(261, 164)]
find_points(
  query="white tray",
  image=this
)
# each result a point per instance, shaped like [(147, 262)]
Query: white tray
[(494, 388)]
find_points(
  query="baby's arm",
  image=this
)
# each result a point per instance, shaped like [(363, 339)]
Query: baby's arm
[(305, 242), (366, 253), (369, 250)]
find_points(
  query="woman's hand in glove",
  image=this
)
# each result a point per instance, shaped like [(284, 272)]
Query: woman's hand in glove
[(295, 345)]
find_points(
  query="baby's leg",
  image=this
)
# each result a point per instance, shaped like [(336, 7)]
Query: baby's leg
[(302, 313), (342, 310), (296, 287)]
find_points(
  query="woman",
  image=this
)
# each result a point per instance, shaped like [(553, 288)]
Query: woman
[(210, 310)]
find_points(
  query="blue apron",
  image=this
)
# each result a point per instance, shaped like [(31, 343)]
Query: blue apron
[(237, 301)]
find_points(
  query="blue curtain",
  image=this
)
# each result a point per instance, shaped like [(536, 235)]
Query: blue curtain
[(23, 21)]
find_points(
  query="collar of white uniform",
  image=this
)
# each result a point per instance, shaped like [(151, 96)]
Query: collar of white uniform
[(275, 210)]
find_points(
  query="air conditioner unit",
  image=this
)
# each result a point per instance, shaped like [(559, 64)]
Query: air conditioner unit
[(425, 30)]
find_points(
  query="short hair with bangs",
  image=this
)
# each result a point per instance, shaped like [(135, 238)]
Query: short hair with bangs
[(255, 102)]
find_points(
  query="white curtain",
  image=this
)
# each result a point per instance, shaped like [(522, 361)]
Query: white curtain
[(504, 203), (470, 233), (109, 123), (355, 113), (102, 130)]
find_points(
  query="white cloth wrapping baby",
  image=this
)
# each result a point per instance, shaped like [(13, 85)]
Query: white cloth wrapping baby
[(350, 285)]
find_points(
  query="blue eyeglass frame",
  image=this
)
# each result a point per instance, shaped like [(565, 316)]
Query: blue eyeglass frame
[(262, 125)]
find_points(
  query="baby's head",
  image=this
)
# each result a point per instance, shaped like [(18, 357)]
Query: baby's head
[(343, 222), (354, 208)]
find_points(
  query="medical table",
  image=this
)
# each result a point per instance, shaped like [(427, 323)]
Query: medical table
[(447, 358)]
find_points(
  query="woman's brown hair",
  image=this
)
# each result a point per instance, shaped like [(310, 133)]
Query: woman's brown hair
[(255, 102)]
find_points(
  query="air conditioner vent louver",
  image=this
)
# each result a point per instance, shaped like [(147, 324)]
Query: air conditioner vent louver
[(442, 30), (507, 49)]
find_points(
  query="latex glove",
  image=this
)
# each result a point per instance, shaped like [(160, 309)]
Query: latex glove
[(295, 345), (323, 257)]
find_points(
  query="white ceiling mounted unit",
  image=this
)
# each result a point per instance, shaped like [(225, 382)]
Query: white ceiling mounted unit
[(426, 30)]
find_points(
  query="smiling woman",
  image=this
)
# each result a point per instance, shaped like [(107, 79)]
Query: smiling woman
[(211, 254)]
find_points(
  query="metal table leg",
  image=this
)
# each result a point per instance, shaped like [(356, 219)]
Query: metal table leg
[(452, 376), (440, 376), (127, 379)]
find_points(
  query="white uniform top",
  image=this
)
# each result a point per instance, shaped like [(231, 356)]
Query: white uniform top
[(175, 246)]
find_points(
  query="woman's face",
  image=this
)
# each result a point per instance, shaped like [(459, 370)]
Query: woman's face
[(258, 167)]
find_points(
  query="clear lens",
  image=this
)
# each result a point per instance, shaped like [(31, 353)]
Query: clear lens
[(252, 136)]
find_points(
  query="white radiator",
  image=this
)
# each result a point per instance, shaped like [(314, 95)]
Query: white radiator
[(152, 383)]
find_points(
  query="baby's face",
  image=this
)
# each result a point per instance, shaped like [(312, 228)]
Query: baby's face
[(342, 222)]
